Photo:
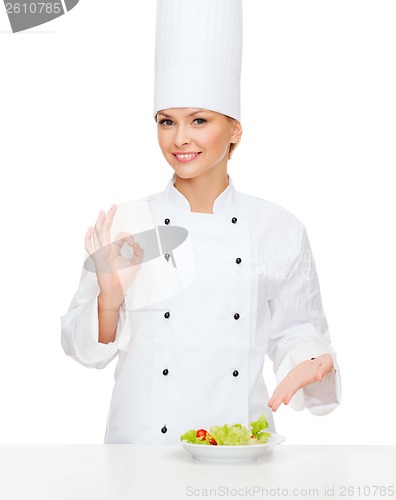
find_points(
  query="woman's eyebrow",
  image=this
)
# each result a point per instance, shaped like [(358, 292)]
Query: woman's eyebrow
[(191, 114)]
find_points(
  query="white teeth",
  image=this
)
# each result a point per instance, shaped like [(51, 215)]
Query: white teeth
[(182, 157)]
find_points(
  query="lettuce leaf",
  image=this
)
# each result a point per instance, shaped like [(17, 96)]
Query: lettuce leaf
[(259, 425), (233, 435), (190, 437)]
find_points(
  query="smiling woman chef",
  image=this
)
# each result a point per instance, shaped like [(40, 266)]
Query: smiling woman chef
[(214, 279)]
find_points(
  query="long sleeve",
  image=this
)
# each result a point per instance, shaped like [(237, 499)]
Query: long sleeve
[(80, 324), (299, 331), (79, 327)]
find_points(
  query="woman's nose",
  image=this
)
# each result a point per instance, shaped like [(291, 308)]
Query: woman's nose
[(181, 137)]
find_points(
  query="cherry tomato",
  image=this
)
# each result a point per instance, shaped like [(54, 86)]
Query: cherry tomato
[(212, 440), (201, 433)]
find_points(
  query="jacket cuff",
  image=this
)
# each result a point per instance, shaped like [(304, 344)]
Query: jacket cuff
[(320, 398), (88, 350)]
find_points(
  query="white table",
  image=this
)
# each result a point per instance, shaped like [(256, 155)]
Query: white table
[(145, 472)]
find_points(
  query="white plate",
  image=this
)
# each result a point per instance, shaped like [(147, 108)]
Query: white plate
[(222, 453)]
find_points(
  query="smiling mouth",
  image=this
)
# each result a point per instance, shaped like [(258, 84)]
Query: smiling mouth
[(185, 156)]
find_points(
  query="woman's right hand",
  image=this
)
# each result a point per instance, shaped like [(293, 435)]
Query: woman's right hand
[(115, 273)]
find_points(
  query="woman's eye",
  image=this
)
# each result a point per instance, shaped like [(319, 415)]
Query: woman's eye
[(168, 123)]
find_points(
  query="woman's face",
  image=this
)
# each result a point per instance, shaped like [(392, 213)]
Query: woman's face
[(195, 140)]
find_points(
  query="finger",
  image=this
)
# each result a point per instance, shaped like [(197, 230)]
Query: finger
[(123, 238), (131, 242), (328, 363), (326, 360), (98, 230), (108, 221), (276, 398), (120, 240), (138, 254), (284, 397), (287, 397), (320, 373), (325, 366), (278, 391), (275, 404), (87, 241)]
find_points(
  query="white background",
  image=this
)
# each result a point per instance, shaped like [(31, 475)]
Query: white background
[(77, 134)]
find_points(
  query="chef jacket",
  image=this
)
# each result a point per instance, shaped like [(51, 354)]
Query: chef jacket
[(197, 322)]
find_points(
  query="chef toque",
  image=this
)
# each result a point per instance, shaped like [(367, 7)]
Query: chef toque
[(198, 55)]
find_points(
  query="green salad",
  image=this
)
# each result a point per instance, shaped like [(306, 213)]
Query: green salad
[(230, 435)]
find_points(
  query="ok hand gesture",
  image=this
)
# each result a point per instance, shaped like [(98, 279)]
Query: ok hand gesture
[(115, 273)]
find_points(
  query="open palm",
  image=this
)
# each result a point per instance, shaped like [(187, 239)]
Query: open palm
[(303, 374)]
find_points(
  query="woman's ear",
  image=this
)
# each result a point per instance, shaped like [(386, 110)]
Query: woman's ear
[(236, 132)]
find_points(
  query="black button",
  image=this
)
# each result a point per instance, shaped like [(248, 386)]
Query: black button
[(165, 372), (238, 260), (164, 429), (235, 373), (167, 314), (236, 316), (233, 220), (167, 221)]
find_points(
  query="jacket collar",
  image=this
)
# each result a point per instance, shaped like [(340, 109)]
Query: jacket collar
[(223, 202)]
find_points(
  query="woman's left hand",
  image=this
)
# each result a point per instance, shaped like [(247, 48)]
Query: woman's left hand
[(305, 373)]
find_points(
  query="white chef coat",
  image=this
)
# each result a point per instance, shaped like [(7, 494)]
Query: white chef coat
[(191, 345)]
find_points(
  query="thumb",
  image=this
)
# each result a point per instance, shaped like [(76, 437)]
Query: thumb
[(120, 240)]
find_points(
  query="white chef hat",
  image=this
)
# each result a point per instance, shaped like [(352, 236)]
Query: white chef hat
[(198, 55)]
